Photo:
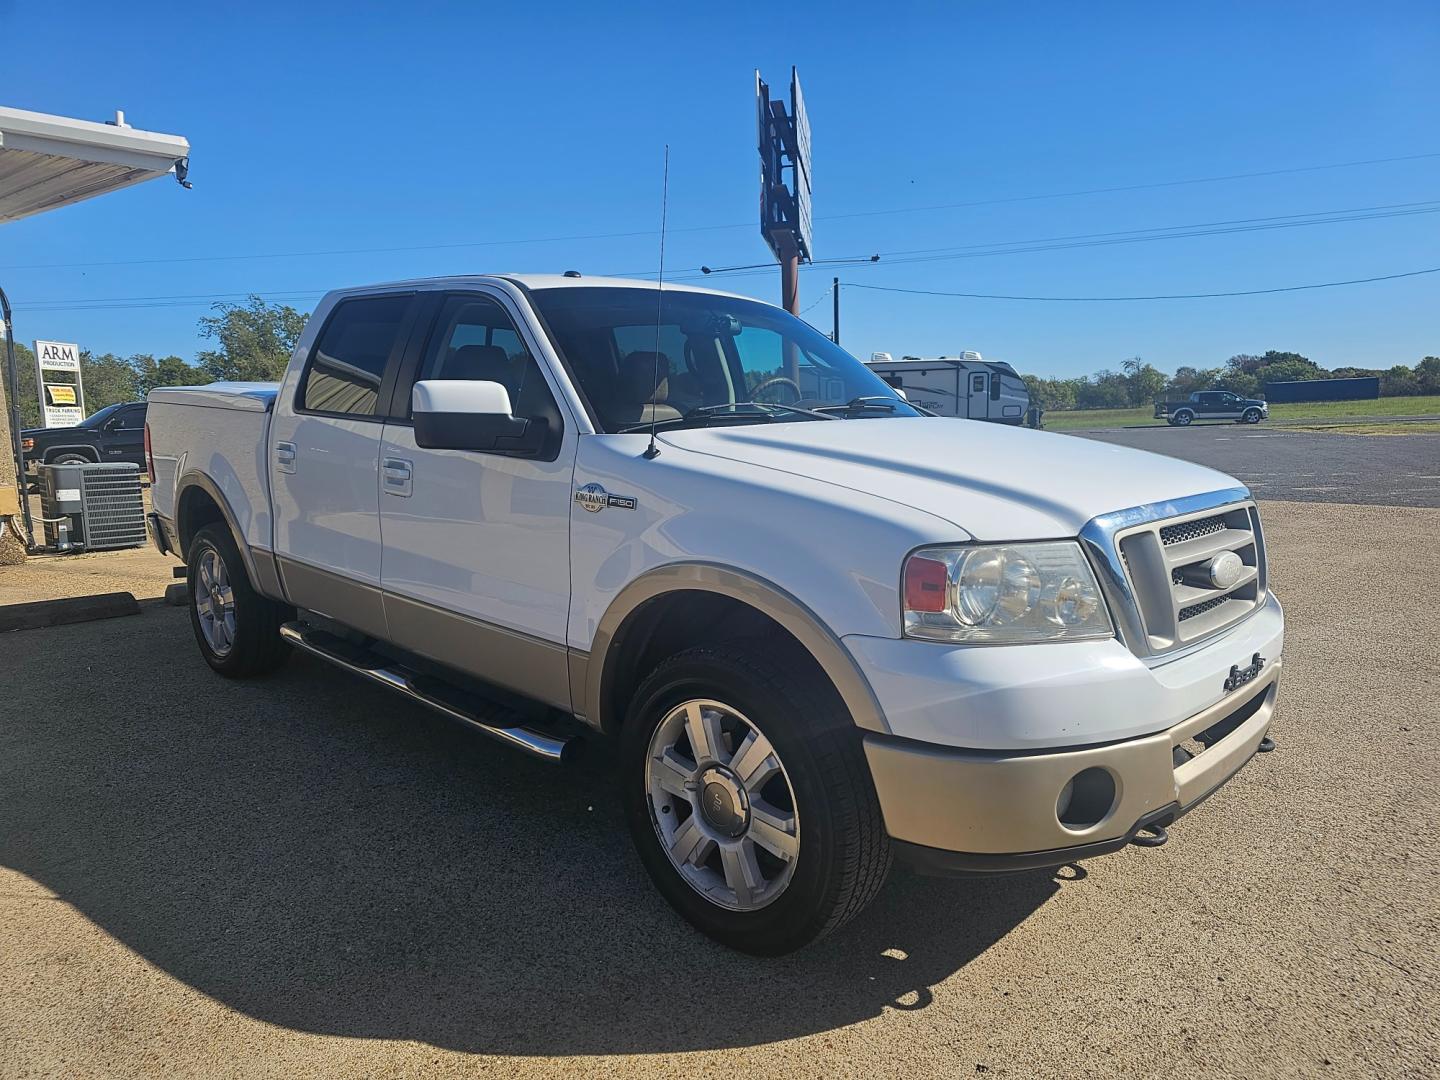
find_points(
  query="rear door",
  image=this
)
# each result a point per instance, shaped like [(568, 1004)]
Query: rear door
[(324, 452), (476, 565)]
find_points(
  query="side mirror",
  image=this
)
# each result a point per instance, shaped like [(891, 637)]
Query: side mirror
[(462, 414)]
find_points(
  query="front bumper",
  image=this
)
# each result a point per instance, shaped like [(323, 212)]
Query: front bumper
[(964, 811)]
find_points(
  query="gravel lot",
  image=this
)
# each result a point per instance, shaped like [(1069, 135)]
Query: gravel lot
[(304, 876), (1303, 466)]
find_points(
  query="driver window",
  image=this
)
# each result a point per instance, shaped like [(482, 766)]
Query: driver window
[(475, 339)]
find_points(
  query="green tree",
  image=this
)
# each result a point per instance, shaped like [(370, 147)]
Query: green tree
[(1144, 382), (109, 379), (1291, 370), (255, 341), (1103, 390), (29, 397), (167, 371), (1187, 380)]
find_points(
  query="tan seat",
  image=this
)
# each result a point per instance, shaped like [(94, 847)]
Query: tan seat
[(642, 390)]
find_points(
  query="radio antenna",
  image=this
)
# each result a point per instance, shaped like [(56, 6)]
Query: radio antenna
[(653, 450)]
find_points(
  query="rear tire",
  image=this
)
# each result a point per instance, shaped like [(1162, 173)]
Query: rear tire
[(71, 459), (743, 881), (237, 629), (1183, 418)]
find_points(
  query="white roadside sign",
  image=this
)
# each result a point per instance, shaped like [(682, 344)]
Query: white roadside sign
[(62, 404)]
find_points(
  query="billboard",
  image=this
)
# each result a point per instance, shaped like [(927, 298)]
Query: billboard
[(800, 120), (62, 401), (784, 143)]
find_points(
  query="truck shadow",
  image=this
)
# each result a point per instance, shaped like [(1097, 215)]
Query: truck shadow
[(317, 854)]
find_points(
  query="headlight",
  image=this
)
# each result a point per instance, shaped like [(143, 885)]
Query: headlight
[(1007, 593)]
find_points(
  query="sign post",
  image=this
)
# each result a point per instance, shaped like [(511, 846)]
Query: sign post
[(62, 403)]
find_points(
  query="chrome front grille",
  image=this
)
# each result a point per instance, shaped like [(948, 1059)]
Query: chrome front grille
[(1191, 530), (1171, 567)]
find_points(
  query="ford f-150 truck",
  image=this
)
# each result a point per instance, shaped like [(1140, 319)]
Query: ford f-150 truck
[(1212, 405), (823, 628)]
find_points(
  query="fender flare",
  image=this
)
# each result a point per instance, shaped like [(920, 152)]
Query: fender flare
[(756, 592), (262, 572), (93, 453)]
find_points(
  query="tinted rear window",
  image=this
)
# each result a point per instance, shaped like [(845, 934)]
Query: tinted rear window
[(348, 364)]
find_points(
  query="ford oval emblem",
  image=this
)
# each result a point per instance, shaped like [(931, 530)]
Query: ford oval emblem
[(1225, 569), (592, 497)]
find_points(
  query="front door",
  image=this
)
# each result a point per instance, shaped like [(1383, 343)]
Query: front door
[(125, 436), (476, 567), (324, 451)]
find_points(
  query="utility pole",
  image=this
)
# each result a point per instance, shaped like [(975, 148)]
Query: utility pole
[(835, 299), (13, 500)]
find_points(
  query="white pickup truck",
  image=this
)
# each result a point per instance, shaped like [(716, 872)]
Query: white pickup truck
[(824, 628)]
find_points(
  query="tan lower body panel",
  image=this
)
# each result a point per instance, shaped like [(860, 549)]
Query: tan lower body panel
[(350, 603), (527, 665), (997, 803)]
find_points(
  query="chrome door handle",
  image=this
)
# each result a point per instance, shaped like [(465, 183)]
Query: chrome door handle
[(285, 457), (395, 477)]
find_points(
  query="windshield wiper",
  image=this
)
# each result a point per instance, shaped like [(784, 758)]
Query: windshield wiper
[(867, 401), (719, 413), (708, 410)]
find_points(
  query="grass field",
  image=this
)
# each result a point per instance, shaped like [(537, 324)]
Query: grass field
[(1315, 410)]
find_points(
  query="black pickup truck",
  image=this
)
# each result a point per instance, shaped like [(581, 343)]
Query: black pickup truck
[(1212, 405), (115, 433)]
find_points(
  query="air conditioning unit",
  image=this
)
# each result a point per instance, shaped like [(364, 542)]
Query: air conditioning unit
[(92, 507)]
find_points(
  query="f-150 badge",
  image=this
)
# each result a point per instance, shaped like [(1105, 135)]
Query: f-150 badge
[(595, 498)]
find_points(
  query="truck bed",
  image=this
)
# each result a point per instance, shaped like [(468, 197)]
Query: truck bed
[(219, 431)]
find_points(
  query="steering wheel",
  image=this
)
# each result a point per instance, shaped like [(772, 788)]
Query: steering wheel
[(778, 380)]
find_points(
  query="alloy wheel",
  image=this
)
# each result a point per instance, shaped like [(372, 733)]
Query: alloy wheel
[(215, 603), (722, 805)]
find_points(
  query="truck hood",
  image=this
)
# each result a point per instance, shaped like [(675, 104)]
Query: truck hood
[(994, 482)]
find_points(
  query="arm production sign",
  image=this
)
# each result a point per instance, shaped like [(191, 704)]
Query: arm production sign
[(62, 401)]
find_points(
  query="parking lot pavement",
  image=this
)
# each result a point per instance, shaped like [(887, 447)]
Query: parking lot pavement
[(1305, 466), (301, 875)]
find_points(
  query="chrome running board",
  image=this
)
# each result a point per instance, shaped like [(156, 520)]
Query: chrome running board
[(498, 722)]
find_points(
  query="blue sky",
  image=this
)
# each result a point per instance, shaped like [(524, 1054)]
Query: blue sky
[(318, 127)]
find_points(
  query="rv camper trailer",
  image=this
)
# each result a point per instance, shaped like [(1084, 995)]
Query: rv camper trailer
[(967, 386)]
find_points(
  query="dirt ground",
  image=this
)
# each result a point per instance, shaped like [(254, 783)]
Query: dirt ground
[(301, 875)]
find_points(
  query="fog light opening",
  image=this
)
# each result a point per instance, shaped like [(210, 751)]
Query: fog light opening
[(1086, 800)]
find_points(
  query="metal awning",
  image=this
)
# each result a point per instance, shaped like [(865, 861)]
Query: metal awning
[(51, 161)]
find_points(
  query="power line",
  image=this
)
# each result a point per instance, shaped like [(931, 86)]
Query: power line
[(819, 300), (327, 252), (1171, 296), (895, 258), (1174, 232)]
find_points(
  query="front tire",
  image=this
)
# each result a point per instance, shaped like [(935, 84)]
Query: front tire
[(237, 629), (749, 798), (1252, 416)]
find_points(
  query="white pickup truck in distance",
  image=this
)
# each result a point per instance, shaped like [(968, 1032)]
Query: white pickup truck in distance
[(825, 629)]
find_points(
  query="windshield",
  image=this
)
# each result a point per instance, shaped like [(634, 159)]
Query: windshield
[(96, 419), (714, 352)]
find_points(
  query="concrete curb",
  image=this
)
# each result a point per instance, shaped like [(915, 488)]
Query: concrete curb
[(75, 609)]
